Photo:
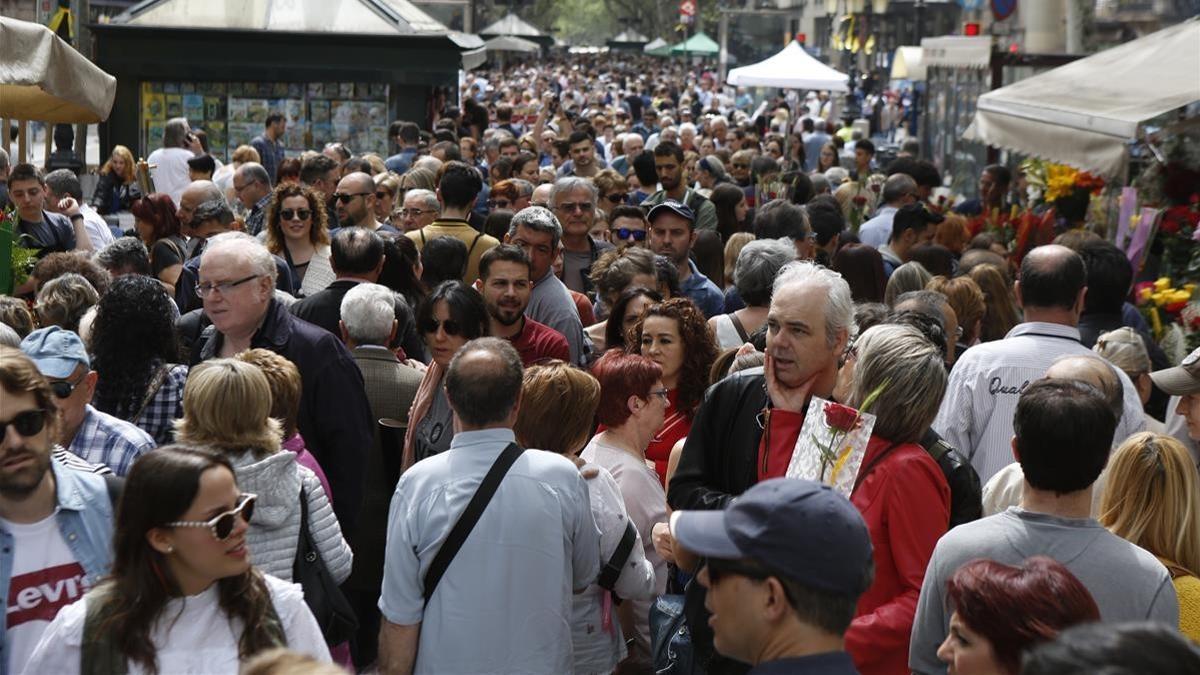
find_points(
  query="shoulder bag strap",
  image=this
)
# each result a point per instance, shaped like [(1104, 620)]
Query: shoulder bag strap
[(612, 569), (421, 232), (470, 516), (156, 383), (737, 325), (866, 470), (473, 242)]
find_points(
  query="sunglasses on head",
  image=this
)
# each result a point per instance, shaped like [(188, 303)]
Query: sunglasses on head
[(222, 525), (28, 423), (451, 327), (625, 233), (290, 214)]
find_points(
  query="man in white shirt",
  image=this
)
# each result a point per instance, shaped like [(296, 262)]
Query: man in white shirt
[(504, 603), (63, 183), (168, 164), (898, 190), (976, 415)]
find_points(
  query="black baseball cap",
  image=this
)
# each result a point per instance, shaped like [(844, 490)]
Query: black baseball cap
[(795, 529), (672, 206)]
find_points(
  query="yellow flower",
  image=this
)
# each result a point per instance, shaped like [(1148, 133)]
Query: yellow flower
[(1144, 296), (1162, 283), (1060, 181)]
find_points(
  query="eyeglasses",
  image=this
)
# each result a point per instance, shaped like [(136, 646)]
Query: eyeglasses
[(28, 423), (571, 207), (223, 524), (664, 393), (205, 290), (382, 195), (414, 213), (452, 327), (64, 388), (290, 214), (345, 197), (616, 197), (625, 233), (498, 203)]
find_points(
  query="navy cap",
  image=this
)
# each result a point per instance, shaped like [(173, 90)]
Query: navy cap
[(55, 351), (671, 206), (796, 529)]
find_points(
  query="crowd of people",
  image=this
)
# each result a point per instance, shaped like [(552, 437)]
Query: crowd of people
[(520, 394)]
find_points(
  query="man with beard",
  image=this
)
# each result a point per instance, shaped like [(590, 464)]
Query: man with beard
[(504, 282), (355, 199), (672, 234), (56, 521), (672, 176), (583, 156)]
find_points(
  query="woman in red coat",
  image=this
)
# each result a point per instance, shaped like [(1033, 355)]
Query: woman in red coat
[(900, 491)]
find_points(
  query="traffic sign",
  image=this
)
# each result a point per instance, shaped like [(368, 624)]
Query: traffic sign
[(687, 7)]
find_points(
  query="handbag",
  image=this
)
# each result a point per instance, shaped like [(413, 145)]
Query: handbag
[(672, 644), (329, 606)]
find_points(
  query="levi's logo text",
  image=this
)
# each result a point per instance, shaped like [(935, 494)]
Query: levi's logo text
[(37, 596), (997, 386)]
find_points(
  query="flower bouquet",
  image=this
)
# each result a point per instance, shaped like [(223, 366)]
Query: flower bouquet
[(16, 261), (832, 443), (767, 190), (1174, 322)]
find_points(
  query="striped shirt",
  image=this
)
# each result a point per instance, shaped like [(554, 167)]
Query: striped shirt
[(976, 415), (72, 462), (104, 439)]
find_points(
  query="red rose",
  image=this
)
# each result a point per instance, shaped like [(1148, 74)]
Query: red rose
[(1170, 225), (859, 200), (941, 199), (840, 417)]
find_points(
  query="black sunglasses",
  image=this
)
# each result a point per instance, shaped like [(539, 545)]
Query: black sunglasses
[(451, 327), (345, 197), (64, 388), (288, 214), (223, 524), (28, 423), (625, 233), (616, 197)]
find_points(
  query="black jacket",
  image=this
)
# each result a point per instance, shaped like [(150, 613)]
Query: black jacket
[(111, 195), (334, 417), (719, 456), (324, 309)]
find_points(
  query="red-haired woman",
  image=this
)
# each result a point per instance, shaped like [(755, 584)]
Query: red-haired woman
[(155, 222), (675, 335), (1000, 611), (633, 404)]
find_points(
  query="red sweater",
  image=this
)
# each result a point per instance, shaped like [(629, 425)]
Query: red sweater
[(905, 501), (538, 342), (675, 426)]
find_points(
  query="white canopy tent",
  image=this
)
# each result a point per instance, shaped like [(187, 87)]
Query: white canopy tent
[(1085, 113), (791, 68), (656, 43), (510, 43), (908, 64)]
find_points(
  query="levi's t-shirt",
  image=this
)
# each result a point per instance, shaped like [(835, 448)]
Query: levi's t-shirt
[(45, 578)]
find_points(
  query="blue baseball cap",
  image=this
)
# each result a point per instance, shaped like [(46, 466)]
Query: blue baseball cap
[(671, 206), (55, 351), (796, 529)]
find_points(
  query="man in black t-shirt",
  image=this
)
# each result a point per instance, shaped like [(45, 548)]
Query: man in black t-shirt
[(39, 229)]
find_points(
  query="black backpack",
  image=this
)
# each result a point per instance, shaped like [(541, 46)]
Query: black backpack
[(966, 494)]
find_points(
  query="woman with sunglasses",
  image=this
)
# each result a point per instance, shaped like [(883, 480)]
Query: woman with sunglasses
[(675, 335), (297, 231), (633, 405), (612, 188), (449, 317), (387, 188), (227, 408), (183, 595)]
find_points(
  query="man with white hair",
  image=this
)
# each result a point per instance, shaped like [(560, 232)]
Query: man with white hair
[(421, 207), (809, 323), (237, 283), (368, 325), (633, 144)]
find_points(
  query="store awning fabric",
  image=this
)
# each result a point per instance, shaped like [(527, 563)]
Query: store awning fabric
[(509, 43), (791, 68), (42, 78), (697, 44)]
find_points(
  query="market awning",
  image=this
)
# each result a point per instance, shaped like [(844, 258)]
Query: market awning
[(908, 64), (791, 68), (509, 43), (657, 47), (385, 17), (1085, 113), (629, 37), (957, 51), (699, 44), (42, 78), (511, 24)]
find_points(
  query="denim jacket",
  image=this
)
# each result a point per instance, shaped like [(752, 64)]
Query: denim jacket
[(85, 518)]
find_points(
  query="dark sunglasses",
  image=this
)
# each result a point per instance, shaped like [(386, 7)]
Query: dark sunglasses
[(223, 524), (382, 195), (345, 197), (625, 233), (64, 388), (289, 214), (616, 197), (28, 423), (451, 327)]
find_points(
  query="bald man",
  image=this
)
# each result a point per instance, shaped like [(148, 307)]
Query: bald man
[(976, 415), (1006, 488), (354, 200)]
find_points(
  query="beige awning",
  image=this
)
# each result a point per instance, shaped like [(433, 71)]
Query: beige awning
[(957, 51), (908, 64), (42, 78)]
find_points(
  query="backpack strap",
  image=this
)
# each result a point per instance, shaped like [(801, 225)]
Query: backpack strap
[(612, 569), (156, 383), (470, 516), (737, 325)]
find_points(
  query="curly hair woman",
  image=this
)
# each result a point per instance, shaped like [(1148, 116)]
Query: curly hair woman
[(135, 353), (298, 231), (183, 595), (675, 335)]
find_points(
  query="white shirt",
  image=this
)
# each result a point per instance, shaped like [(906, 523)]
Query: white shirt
[(200, 639), (876, 231), (170, 174), (976, 415), (97, 228)]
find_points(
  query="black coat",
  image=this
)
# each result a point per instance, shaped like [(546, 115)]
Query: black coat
[(324, 309)]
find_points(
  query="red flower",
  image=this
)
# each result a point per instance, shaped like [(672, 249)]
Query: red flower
[(941, 199), (840, 417), (1170, 225), (859, 200), (1176, 307)]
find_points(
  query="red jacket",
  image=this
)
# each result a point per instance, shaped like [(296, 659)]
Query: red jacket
[(905, 501)]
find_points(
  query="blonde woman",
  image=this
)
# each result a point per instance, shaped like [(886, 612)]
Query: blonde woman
[(1125, 349), (1152, 499), (227, 407), (733, 246), (118, 188)]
